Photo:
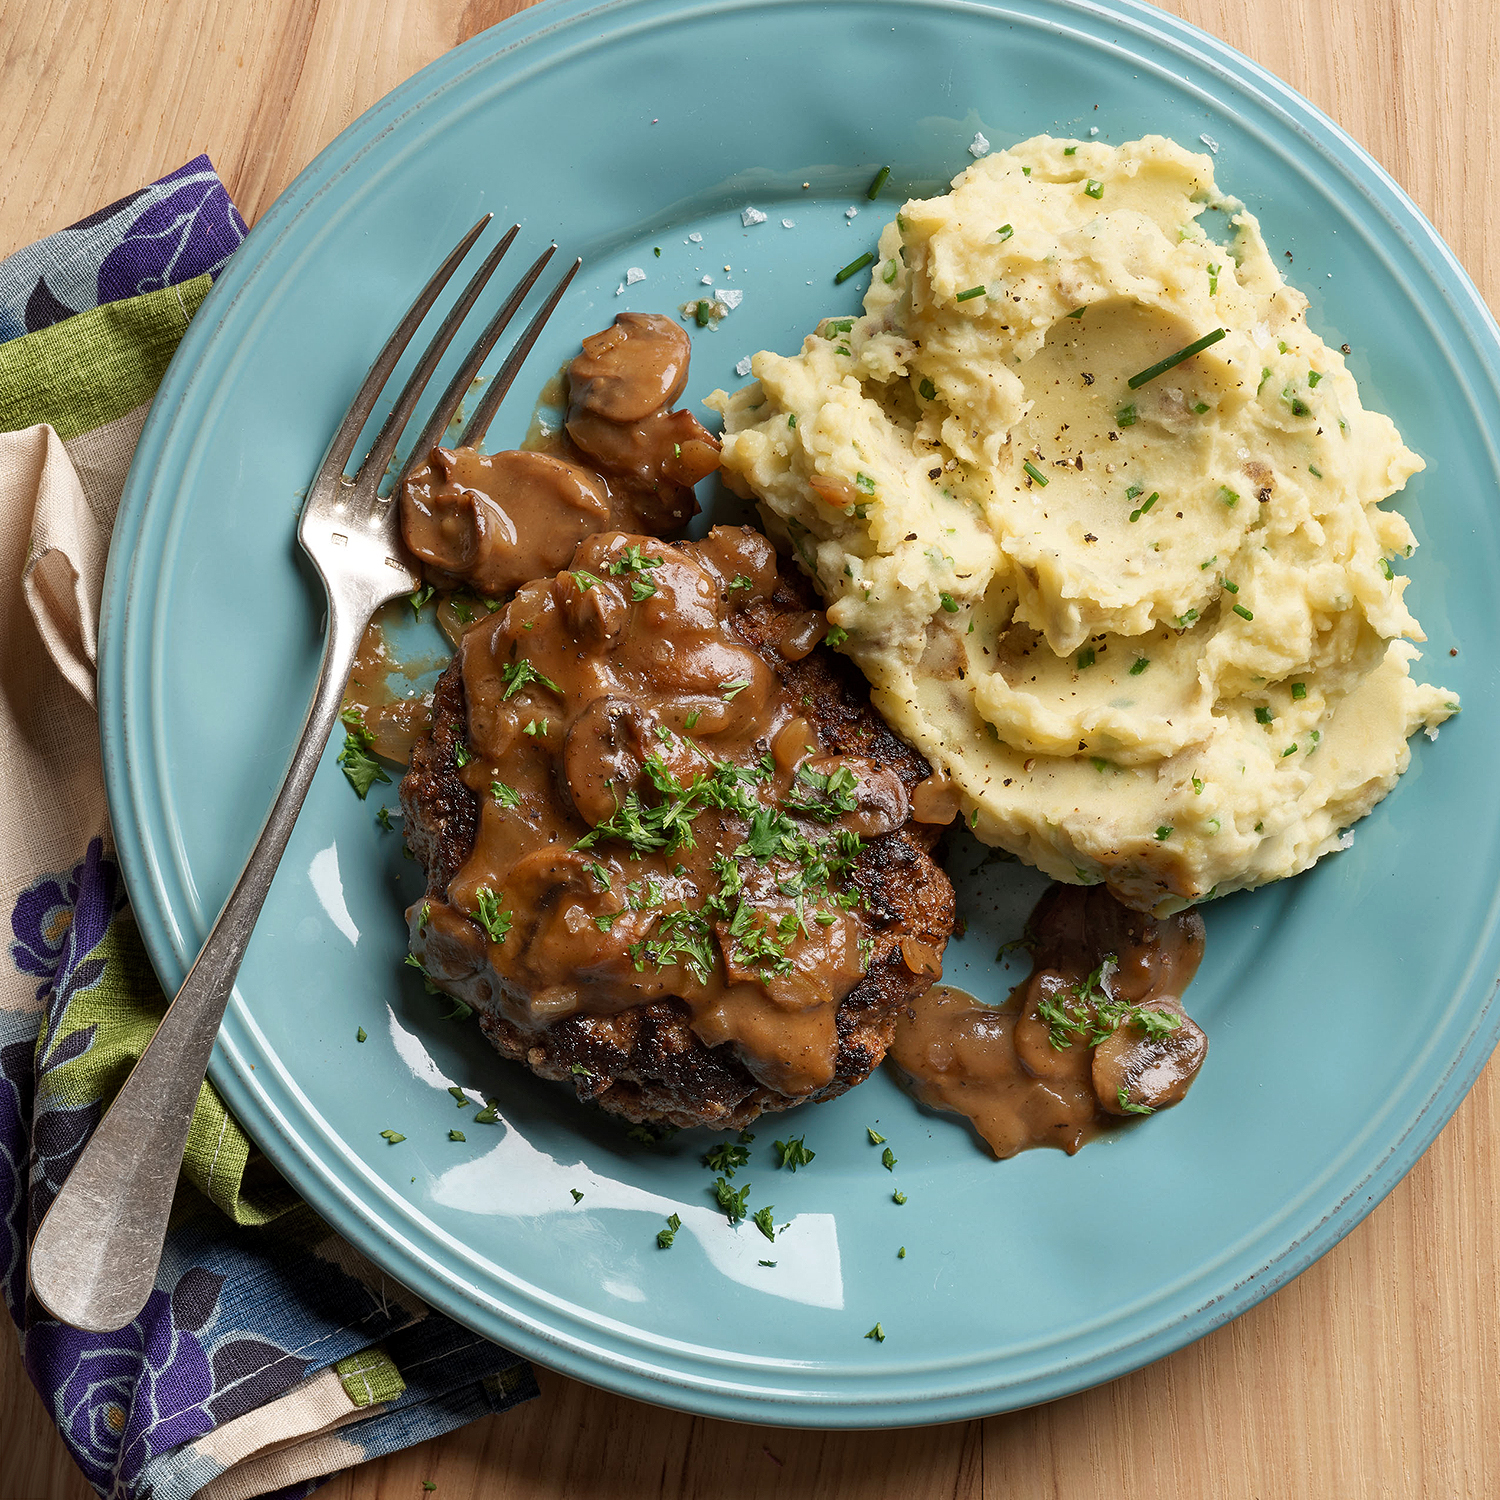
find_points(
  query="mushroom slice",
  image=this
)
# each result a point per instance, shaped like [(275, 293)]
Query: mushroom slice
[(1137, 1073)]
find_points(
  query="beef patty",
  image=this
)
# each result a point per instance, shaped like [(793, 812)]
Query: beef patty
[(667, 840)]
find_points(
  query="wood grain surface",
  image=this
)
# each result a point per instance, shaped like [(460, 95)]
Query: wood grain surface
[(1376, 1373)]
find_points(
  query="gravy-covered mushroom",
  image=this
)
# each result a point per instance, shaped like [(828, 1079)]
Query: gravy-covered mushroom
[(1148, 1063)]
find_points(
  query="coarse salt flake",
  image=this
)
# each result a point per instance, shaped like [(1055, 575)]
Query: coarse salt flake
[(752, 216), (1093, 130), (788, 223), (742, 367), (979, 146), (696, 238), (708, 281), (1210, 142), (731, 297), (620, 290), (850, 213), (1346, 839), (634, 274)]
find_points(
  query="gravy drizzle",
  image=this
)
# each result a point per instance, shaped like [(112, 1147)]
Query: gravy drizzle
[(1095, 1033)]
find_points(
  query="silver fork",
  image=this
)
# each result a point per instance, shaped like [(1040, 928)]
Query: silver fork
[(94, 1259)]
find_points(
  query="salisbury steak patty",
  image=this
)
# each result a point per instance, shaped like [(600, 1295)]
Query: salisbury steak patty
[(667, 840)]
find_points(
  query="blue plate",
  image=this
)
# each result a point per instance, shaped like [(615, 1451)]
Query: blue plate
[(1349, 1010)]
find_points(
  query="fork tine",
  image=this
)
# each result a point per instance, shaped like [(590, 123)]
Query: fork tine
[(459, 385), (390, 432), (364, 403), (495, 392)]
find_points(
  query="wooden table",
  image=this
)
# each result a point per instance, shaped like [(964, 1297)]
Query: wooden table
[(1378, 1371)]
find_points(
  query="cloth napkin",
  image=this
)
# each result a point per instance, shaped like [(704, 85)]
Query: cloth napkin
[(270, 1354)]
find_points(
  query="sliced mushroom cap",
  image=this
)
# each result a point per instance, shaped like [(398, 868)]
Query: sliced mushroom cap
[(633, 368), (497, 520), (664, 446), (604, 755), (1135, 1073), (1033, 1035), (880, 800)]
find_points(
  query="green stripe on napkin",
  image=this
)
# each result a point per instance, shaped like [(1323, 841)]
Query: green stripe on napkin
[(93, 368)]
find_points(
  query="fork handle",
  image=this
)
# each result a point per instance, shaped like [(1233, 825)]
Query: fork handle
[(95, 1256)]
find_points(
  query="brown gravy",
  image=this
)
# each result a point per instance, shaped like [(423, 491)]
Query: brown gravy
[(1094, 1034), (395, 722), (596, 700)]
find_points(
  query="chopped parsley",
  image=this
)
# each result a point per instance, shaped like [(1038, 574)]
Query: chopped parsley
[(1093, 188), (1141, 663), (360, 767), (949, 603), (729, 690), (1005, 232), (585, 581), (735, 1204), (495, 922), (836, 636), (577, 1196), (877, 1333), (898, 1197), (457, 1135), (506, 796), (459, 1095), (726, 1158), (761, 1218), (1173, 360), (359, 1036), (876, 1139), (419, 598), (1126, 416), (770, 1263), (664, 1237), (740, 582), (1227, 495), (461, 754), (828, 797), (1132, 1109), (383, 818), (888, 1159), (518, 673), (1163, 833), (926, 389), (793, 1153), (392, 1137)]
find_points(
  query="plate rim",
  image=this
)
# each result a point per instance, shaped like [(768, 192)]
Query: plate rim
[(614, 1369)]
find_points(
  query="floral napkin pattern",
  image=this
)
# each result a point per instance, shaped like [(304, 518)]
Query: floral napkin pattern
[(271, 1354)]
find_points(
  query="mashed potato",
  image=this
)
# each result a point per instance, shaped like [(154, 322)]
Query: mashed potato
[(1152, 631)]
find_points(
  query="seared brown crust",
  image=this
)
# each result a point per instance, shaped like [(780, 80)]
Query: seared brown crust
[(646, 1063)]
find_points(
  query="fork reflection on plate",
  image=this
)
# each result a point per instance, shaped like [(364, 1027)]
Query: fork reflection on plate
[(93, 1262)]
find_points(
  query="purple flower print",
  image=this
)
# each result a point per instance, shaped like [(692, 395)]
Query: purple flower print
[(123, 1398)]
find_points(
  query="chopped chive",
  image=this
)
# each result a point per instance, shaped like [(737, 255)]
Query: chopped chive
[(1299, 690), (1070, 150), (1233, 588), (1173, 360), (1197, 787), (1141, 663), (1085, 658), (1094, 188), (456, 1135), (1145, 506), (1005, 232), (877, 1333), (1213, 281), (879, 183), (1200, 408), (949, 603), (1290, 750), (702, 313), (853, 267), (1163, 833), (359, 1036), (1035, 473), (1099, 763), (1243, 613), (1315, 471), (1263, 715), (1125, 416), (1385, 568), (1313, 377), (973, 291), (1078, 312), (926, 389), (1187, 619), (887, 276)]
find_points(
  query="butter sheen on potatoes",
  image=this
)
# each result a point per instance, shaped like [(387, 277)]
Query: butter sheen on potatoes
[(1154, 634)]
